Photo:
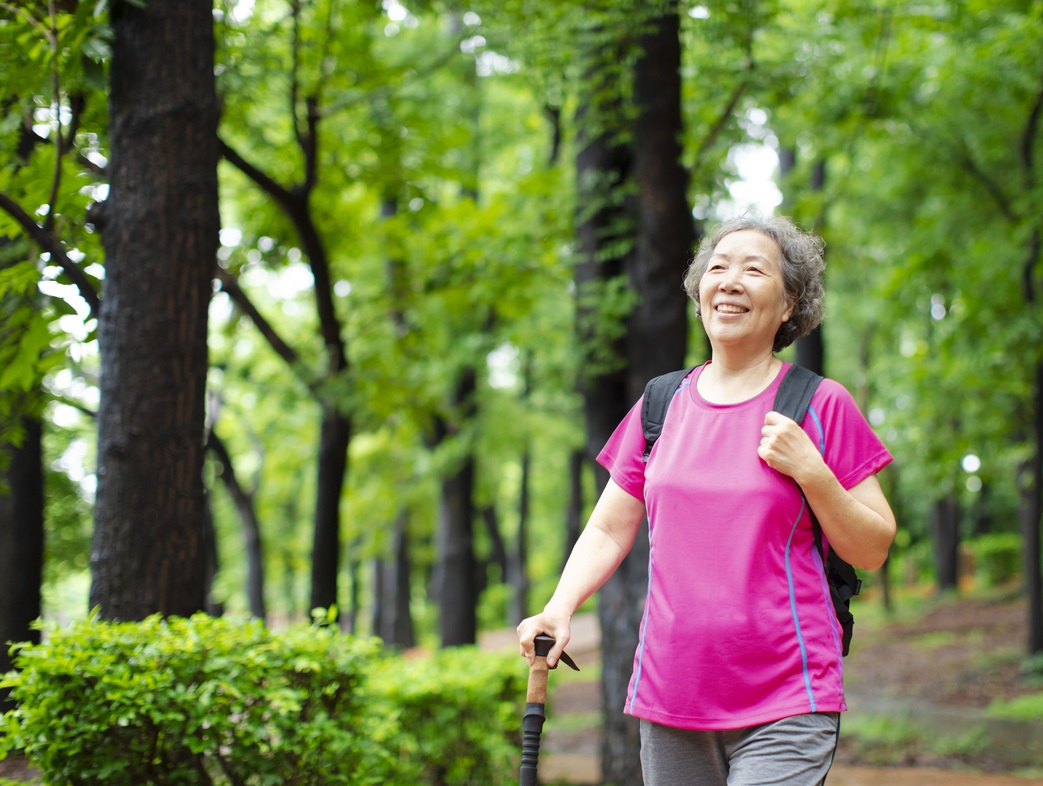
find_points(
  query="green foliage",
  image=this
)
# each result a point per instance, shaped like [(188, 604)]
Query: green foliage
[(461, 717), (206, 700), (445, 198), (998, 558), (1027, 707), (885, 739), (166, 700)]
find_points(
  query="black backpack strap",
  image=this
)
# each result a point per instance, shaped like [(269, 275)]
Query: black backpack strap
[(659, 392), (795, 392), (792, 400)]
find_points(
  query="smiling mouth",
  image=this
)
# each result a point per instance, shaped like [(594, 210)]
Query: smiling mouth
[(727, 308)]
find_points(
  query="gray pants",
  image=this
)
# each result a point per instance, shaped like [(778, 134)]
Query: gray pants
[(795, 751)]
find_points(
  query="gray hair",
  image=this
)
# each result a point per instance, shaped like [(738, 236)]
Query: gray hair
[(802, 266)]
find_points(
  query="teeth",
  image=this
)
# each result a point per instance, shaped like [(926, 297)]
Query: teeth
[(727, 309)]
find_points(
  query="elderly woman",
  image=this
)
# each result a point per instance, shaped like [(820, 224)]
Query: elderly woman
[(737, 677)]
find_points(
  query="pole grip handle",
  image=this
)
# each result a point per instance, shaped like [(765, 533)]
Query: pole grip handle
[(536, 691), (532, 728)]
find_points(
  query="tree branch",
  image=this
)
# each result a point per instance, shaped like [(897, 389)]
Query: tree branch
[(29, 18), (230, 286), (56, 182), (991, 186), (310, 145), (720, 124), (268, 185), (722, 120), (50, 244), (1028, 139), (297, 212)]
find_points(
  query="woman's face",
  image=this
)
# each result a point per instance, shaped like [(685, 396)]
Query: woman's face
[(742, 295)]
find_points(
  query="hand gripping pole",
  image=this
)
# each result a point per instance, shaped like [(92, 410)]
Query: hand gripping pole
[(535, 712)]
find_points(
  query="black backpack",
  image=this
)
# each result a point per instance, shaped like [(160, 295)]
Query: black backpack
[(792, 400)]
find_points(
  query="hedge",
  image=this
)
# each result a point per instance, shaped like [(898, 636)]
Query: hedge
[(204, 700)]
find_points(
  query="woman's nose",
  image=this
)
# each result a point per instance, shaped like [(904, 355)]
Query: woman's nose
[(731, 282)]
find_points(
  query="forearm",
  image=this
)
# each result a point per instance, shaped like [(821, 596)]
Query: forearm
[(605, 541), (593, 560), (858, 523)]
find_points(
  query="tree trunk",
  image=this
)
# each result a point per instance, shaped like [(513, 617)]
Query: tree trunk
[(393, 621), (945, 527), (334, 438), (605, 404), (656, 330), (1032, 489), (456, 579), (244, 505), (497, 547), (21, 545), (517, 565), (811, 352), (1031, 515), (160, 235), (574, 509)]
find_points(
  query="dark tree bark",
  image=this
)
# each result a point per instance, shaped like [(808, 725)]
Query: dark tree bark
[(497, 547), (810, 349), (517, 574), (1031, 519), (604, 405), (1032, 485), (21, 544), (392, 615), (574, 509), (456, 573), (657, 329), (945, 527), (334, 439), (392, 620), (160, 237), (457, 581)]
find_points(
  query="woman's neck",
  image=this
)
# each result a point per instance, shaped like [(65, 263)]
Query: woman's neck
[(727, 380)]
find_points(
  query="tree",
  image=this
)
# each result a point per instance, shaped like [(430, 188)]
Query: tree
[(645, 242), (160, 231), (49, 56)]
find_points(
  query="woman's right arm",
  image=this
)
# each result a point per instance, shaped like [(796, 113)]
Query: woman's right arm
[(605, 541)]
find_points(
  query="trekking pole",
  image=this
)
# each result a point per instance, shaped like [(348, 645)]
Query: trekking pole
[(535, 712)]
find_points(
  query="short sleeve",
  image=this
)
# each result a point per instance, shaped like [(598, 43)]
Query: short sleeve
[(623, 454), (849, 445)]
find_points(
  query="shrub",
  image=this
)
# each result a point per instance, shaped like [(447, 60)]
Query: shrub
[(211, 701), (460, 717), (191, 701), (998, 557)]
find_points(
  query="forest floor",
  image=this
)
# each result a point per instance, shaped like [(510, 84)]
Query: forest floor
[(920, 686)]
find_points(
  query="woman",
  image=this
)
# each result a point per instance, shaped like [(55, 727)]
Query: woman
[(737, 676)]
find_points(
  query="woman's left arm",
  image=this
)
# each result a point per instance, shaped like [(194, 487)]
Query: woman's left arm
[(858, 522)]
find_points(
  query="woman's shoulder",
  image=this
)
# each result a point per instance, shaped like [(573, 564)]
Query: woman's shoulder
[(834, 400)]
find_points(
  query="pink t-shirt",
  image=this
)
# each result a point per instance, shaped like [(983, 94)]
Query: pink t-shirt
[(738, 627)]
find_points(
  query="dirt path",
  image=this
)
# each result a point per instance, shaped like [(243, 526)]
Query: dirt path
[(578, 770), (950, 664)]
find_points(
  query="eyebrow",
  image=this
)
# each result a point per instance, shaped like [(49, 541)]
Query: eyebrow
[(747, 258)]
